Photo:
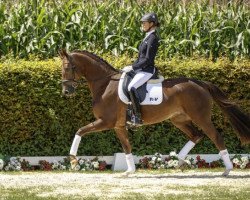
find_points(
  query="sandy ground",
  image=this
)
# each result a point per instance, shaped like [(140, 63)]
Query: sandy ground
[(110, 185)]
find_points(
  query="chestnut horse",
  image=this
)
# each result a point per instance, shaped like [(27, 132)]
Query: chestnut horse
[(186, 103)]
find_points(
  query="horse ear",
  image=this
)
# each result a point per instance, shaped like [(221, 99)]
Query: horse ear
[(63, 53)]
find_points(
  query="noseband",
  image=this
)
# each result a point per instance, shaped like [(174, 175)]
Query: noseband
[(71, 80), (76, 82)]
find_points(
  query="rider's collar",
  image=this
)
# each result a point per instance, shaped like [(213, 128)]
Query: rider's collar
[(148, 33)]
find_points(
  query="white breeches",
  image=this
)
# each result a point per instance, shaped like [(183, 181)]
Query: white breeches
[(139, 79)]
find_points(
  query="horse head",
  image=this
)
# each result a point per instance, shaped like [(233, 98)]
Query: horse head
[(80, 64), (70, 77)]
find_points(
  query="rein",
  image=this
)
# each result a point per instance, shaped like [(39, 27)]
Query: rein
[(76, 82)]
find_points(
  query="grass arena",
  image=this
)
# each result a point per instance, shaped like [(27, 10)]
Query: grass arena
[(62, 69), (144, 184)]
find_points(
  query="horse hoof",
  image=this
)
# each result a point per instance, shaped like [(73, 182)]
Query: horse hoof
[(73, 162), (127, 173), (181, 164), (226, 172)]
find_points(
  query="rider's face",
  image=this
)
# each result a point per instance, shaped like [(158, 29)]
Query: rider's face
[(146, 26)]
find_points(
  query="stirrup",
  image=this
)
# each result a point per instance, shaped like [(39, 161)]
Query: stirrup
[(135, 121)]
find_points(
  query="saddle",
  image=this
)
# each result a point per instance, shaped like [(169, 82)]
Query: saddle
[(142, 90), (150, 93)]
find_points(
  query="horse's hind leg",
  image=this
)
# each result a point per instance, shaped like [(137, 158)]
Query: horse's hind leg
[(122, 135), (192, 133), (214, 135)]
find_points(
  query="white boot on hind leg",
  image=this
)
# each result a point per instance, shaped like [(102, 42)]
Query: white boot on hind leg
[(184, 152), (227, 162), (131, 165)]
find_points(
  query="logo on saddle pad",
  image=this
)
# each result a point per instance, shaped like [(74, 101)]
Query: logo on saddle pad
[(150, 93)]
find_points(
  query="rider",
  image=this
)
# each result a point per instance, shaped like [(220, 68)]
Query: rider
[(144, 65)]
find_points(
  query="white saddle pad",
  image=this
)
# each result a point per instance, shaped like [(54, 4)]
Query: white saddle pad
[(154, 92)]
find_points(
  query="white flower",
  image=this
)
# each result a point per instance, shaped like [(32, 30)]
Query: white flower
[(63, 167), (153, 158), (83, 169), (172, 154), (55, 165), (159, 160), (175, 163), (236, 161), (245, 159), (81, 161), (87, 165), (1, 164), (188, 162), (151, 162), (18, 168), (96, 165), (170, 163), (158, 155), (243, 166)]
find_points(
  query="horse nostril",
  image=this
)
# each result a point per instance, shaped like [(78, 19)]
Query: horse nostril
[(66, 92)]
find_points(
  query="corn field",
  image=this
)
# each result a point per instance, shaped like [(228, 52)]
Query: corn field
[(188, 28)]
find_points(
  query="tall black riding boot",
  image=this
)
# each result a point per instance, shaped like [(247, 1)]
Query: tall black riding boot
[(134, 97)]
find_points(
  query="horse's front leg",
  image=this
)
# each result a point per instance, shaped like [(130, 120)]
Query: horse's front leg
[(122, 134), (98, 125)]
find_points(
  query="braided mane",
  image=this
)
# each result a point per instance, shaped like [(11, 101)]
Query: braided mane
[(96, 58)]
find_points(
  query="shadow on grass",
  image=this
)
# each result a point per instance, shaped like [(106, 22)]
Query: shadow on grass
[(192, 176)]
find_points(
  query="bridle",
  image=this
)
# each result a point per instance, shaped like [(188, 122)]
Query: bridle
[(71, 80), (76, 82)]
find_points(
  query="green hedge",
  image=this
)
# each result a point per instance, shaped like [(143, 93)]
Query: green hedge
[(37, 120)]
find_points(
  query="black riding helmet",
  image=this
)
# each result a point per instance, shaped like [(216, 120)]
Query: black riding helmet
[(150, 17)]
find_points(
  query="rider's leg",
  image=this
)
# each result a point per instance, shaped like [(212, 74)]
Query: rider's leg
[(139, 79), (136, 106)]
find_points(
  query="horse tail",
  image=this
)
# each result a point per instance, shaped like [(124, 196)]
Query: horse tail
[(239, 120)]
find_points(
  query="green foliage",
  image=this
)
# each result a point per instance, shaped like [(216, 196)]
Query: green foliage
[(36, 120), (42, 27)]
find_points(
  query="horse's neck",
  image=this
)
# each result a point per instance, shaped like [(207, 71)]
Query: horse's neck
[(97, 88), (97, 75), (92, 69)]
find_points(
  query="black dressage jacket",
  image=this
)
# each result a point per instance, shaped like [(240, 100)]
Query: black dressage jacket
[(147, 52)]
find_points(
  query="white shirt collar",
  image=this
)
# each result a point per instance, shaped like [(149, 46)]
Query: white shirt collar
[(148, 33)]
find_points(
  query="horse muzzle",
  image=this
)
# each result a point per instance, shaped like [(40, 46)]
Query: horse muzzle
[(69, 91)]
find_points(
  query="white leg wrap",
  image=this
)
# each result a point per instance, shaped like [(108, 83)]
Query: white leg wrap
[(130, 162), (185, 150), (225, 157), (75, 144)]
